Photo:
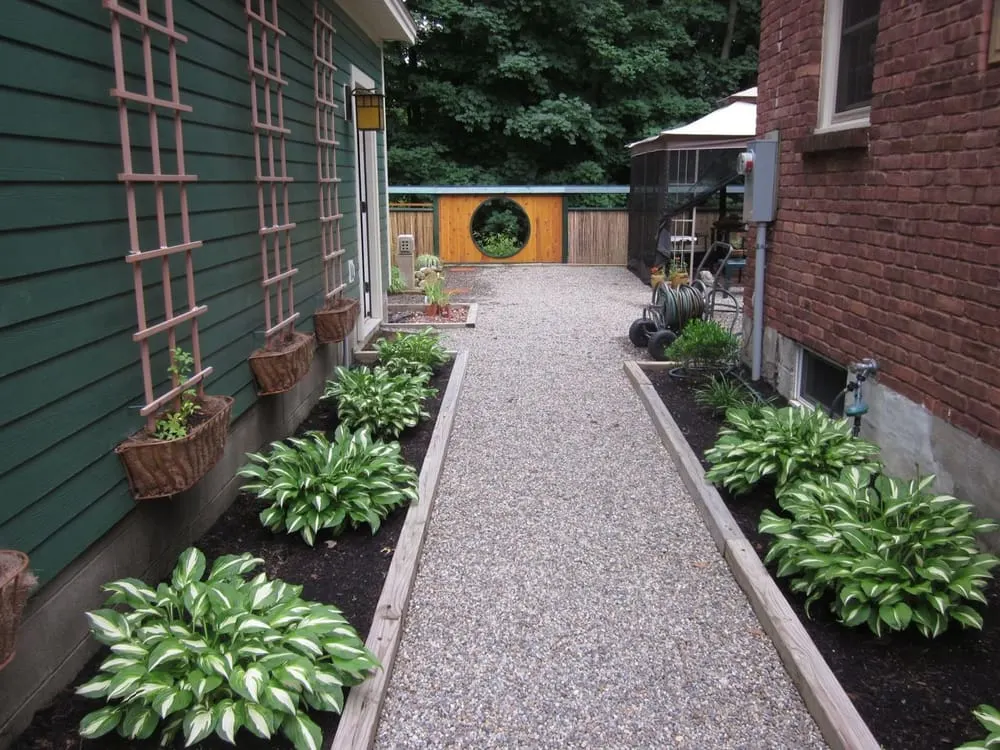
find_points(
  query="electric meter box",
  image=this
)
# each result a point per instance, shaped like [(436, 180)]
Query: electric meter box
[(759, 164)]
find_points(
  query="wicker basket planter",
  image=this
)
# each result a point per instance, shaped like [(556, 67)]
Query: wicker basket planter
[(333, 323), (16, 581), (160, 468), (277, 370)]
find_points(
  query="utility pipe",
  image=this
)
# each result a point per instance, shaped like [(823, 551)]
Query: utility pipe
[(758, 302)]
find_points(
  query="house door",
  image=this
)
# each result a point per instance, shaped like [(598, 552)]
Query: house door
[(369, 208)]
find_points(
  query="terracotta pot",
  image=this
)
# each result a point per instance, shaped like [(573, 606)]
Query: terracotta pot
[(431, 310), (160, 468)]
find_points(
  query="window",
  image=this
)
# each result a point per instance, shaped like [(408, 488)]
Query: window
[(821, 382), (849, 34)]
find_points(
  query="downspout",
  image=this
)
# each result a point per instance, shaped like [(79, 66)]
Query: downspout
[(758, 302)]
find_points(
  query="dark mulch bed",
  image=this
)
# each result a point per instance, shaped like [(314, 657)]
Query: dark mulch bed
[(914, 693), (348, 571)]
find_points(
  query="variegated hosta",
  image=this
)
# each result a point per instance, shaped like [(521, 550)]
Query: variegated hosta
[(218, 655), (989, 718), (384, 402), (412, 353), (786, 445), (314, 484), (891, 554)]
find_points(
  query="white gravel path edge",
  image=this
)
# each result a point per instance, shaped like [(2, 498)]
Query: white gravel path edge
[(838, 719)]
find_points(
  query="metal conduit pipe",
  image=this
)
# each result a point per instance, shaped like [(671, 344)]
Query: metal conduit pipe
[(758, 303)]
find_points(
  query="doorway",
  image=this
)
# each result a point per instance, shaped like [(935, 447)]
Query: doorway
[(368, 209)]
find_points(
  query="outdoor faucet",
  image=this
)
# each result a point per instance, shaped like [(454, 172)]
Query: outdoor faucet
[(866, 368)]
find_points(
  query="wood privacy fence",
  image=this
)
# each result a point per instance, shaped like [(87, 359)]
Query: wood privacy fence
[(590, 237), (598, 237)]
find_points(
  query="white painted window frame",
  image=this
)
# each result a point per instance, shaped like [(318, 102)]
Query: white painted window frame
[(829, 119), (798, 397)]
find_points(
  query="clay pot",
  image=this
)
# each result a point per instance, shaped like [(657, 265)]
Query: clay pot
[(431, 310)]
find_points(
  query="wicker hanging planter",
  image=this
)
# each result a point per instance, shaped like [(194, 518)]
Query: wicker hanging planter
[(276, 370), (334, 322), (160, 468), (16, 581)]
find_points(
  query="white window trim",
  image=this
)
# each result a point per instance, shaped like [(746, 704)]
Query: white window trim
[(829, 120)]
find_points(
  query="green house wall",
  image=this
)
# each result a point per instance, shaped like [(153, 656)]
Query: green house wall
[(70, 382)]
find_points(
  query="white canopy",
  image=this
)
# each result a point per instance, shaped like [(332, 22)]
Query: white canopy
[(730, 126)]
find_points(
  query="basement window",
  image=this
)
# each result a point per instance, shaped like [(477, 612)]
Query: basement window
[(850, 30), (821, 382)]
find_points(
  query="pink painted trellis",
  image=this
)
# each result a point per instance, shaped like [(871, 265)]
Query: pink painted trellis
[(326, 158), (269, 134), (159, 180)]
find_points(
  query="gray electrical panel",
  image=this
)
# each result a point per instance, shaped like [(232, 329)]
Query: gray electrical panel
[(760, 197)]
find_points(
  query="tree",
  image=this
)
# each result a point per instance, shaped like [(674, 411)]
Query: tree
[(551, 91)]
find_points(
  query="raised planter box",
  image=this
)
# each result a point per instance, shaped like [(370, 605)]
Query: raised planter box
[(827, 701), (469, 322), (359, 721)]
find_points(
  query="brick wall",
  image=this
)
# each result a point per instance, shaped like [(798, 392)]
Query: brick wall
[(891, 247)]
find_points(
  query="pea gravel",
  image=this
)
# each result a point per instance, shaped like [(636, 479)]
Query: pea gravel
[(569, 595)]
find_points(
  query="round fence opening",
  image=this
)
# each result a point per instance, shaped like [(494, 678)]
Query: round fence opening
[(500, 228)]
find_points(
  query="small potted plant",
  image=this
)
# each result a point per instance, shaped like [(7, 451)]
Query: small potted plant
[(678, 275), (182, 444), (657, 275), (16, 582), (335, 320), (436, 300), (282, 362)]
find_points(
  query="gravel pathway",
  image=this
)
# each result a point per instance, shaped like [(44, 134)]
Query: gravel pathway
[(569, 595)]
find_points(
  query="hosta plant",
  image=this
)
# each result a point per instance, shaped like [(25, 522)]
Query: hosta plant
[(989, 718), (313, 483), (382, 401), (785, 446), (219, 654), (412, 353), (889, 553)]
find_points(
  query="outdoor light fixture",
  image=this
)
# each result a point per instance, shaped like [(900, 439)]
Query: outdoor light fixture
[(369, 111)]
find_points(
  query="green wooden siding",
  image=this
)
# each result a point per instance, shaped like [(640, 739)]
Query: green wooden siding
[(70, 382)]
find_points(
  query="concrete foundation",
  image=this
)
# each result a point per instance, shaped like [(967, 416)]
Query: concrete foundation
[(53, 641), (912, 440)]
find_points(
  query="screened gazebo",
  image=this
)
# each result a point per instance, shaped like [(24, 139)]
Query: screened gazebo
[(676, 172)]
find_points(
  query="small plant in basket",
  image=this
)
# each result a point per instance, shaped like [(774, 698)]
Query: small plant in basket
[(16, 582), (657, 275), (172, 425)]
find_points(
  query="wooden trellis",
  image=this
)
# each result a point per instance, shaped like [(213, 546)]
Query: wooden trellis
[(326, 159), (269, 136), (158, 181)]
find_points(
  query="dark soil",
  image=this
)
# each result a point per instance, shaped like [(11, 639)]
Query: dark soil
[(347, 571), (914, 693)]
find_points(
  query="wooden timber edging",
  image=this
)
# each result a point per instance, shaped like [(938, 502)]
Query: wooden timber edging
[(370, 356), (359, 721), (469, 322), (834, 713)]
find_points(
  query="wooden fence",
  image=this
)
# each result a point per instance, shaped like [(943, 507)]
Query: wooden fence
[(598, 237), (416, 221), (594, 237)]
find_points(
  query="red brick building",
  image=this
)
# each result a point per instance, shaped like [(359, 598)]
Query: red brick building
[(887, 238)]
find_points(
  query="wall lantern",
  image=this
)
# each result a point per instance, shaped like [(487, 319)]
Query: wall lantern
[(369, 109)]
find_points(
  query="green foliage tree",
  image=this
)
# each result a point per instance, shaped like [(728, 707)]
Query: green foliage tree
[(546, 92)]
